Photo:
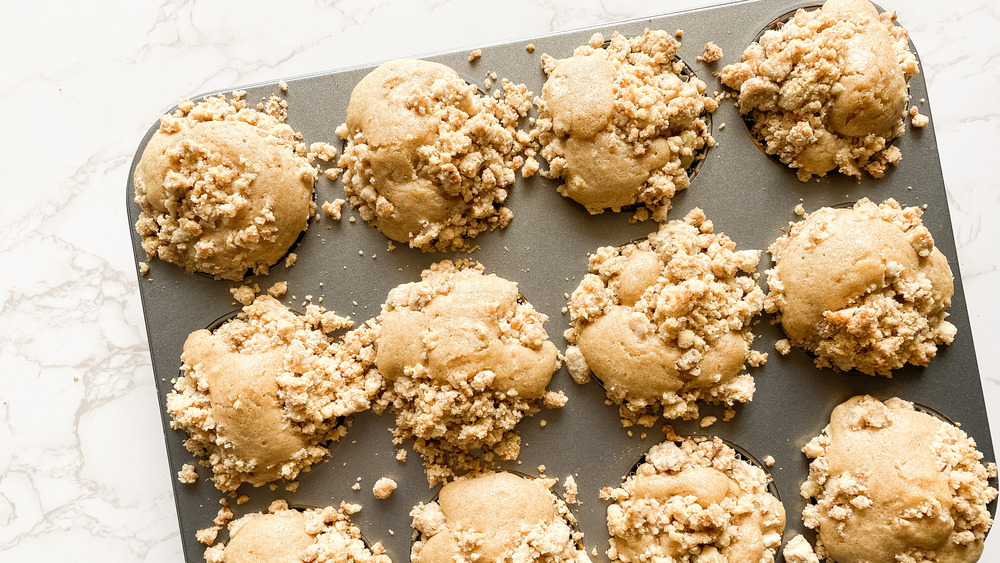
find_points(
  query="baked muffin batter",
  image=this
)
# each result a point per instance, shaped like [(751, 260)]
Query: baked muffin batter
[(223, 188), (261, 395), (665, 322), (827, 90), (862, 288), (284, 535), (620, 125), (910, 484), (690, 502), (465, 360), (496, 517), (428, 160)]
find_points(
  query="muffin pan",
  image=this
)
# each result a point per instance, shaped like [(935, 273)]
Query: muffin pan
[(747, 195)]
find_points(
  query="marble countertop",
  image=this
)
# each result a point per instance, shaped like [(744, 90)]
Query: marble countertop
[(83, 472)]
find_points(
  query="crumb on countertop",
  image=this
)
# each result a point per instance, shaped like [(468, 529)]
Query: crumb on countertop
[(245, 293), (554, 399), (798, 550), (278, 289), (570, 490), (334, 208), (530, 167), (918, 119), (474, 55), (324, 151)]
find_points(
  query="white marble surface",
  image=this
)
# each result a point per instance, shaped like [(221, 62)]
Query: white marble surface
[(83, 473)]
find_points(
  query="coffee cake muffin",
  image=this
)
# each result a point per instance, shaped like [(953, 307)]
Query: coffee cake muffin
[(465, 359), (496, 517), (284, 535), (889, 483), (224, 189), (262, 395), (694, 501), (620, 125), (862, 288), (828, 89), (428, 159), (665, 322)]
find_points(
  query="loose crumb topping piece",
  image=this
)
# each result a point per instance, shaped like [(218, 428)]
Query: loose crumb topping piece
[(798, 550), (383, 488), (570, 490), (918, 119), (334, 208), (245, 294), (323, 151), (278, 289)]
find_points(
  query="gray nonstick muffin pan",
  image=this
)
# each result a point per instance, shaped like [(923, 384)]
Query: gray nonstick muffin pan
[(748, 195)]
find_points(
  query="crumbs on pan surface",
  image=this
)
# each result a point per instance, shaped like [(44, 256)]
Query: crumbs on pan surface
[(712, 53)]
